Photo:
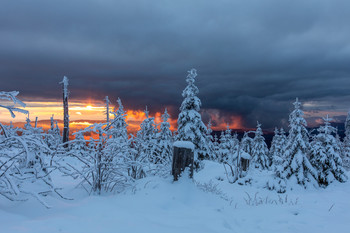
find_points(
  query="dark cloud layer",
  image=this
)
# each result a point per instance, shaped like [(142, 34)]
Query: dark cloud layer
[(253, 57)]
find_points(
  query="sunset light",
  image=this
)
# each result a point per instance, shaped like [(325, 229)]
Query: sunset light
[(174, 116)]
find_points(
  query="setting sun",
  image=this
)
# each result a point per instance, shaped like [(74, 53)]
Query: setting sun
[(89, 107)]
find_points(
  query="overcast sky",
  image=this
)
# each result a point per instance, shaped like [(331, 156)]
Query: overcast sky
[(253, 57)]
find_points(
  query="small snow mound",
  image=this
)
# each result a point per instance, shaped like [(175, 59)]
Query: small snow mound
[(245, 155), (184, 144)]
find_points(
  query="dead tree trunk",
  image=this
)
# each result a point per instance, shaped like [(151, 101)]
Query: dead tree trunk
[(107, 108), (65, 111), (182, 158), (99, 179)]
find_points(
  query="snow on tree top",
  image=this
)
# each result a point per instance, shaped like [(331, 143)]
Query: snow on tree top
[(184, 144), (65, 86), (64, 81)]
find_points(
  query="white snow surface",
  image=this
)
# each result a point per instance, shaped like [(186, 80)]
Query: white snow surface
[(245, 155), (184, 144), (206, 204)]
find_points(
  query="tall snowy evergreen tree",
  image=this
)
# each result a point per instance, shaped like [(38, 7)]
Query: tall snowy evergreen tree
[(117, 143), (276, 152), (216, 148), (247, 143), (190, 125), (118, 125), (325, 155), (274, 142), (235, 147), (146, 138), (259, 150), (225, 146), (209, 145), (297, 150), (283, 139), (164, 145), (346, 143)]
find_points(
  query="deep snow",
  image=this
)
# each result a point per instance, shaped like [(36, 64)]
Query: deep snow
[(207, 204)]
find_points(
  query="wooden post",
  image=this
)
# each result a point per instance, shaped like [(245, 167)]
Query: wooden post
[(183, 157), (245, 160)]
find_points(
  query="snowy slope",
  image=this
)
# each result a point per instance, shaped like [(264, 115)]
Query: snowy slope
[(210, 204)]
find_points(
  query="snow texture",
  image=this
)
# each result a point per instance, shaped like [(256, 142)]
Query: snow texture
[(208, 204), (184, 144)]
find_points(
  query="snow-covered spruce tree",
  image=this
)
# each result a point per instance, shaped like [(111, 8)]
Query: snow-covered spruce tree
[(342, 150), (53, 137), (118, 125), (247, 143), (146, 139), (325, 155), (117, 142), (235, 147), (78, 145), (346, 143), (138, 169), (297, 150), (117, 145), (225, 146), (283, 141), (228, 148), (275, 141), (143, 149), (28, 128), (164, 146), (216, 148), (190, 125), (259, 150), (210, 146), (276, 152)]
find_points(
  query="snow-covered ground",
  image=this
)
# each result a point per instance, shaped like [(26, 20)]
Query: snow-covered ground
[(207, 204)]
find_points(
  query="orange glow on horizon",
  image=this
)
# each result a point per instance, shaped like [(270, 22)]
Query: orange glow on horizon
[(83, 115)]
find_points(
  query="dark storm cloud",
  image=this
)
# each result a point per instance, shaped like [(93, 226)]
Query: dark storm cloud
[(253, 57)]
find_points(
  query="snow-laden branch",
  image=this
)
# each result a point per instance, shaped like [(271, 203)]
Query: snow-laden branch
[(11, 96)]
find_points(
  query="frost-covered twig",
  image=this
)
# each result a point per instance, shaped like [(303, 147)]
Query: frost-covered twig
[(11, 96), (210, 187), (258, 200)]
